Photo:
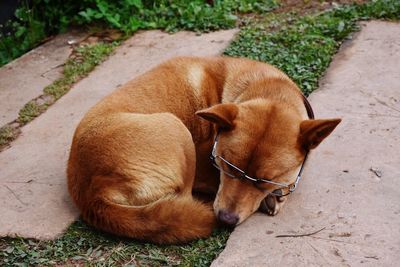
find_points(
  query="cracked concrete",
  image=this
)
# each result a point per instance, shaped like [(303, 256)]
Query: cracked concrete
[(24, 78), (351, 183), (33, 196)]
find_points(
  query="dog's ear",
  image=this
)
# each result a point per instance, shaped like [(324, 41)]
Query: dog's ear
[(312, 132), (222, 114)]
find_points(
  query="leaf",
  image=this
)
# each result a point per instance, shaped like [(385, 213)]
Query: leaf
[(98, 253), (98, 15), (81, 240), (9, 250), (103, 6), (151, 25), (137, 3), (231, 17), (20, 31), (114, 20), (340, 26), (34, 254), (134, 24), (89, 251), (76, 258), (88, 14)]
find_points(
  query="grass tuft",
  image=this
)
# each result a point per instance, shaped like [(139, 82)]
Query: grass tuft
[(30, 111), (303, 46), (6, 135), (86, 58), (81, 245)]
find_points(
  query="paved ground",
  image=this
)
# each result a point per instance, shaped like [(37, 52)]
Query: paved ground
[(351, 184), (33, 196), (24, 78)]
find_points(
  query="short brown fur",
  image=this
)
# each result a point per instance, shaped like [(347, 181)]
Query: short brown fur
[(137, 155)]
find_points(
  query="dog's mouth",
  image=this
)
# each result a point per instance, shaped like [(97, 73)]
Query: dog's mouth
[(268, 206)]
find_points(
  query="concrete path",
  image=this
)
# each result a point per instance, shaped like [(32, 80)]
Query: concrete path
[(33, 195), (24, 78), (351, 184)]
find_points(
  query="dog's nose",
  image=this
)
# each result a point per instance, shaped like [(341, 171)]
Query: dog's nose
[(228, 218)]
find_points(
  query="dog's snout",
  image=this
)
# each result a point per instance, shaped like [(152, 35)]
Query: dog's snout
[(228, 218)]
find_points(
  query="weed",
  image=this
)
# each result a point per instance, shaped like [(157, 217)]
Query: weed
[(303, 46), (85, 60), (20, 35), (6, 135), (30, 111), (130, 15), (46, 17), (81, 245)]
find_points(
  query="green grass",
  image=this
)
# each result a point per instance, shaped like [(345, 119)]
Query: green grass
[(195, 15), (30, 111), (43, 18), (303, 46), (6, 135), (83, 245), (20, 35), (86, 59)]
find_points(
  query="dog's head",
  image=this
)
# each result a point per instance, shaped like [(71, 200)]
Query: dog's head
[(266, 140)]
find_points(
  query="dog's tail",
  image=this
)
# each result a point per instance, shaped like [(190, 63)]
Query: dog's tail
[(175, 219)]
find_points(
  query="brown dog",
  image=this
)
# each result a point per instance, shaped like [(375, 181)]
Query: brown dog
[(133, 166)]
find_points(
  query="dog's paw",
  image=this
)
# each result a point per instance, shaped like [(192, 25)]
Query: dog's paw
[(272, 204)]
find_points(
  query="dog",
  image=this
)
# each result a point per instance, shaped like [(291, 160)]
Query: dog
[(138, 156)]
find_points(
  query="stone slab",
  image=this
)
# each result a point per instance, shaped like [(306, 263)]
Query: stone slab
[(351, 185), (24, 78), (33, 196)]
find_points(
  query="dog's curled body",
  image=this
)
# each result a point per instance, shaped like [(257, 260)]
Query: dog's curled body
[(132, 161), (140, 193), (138, 153)]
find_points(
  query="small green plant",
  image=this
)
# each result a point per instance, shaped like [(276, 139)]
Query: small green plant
[(44, 17), (6, 135), (303, 46), (30, 111), (86, 59), (81, 245), (197, 15), (20, 35)]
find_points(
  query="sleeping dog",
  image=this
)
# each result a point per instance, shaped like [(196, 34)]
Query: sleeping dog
[(235, 128)]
